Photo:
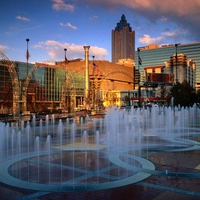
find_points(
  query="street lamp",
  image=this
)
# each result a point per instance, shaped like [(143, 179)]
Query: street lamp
[(139, 87), (68, 99), (65, 55), (93, 82), (27, 56), (176, 45)]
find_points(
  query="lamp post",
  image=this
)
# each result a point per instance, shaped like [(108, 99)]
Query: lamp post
[(93, 66), (93, 87), (27, 56), (68, 99), (176, 45), (65, 55), (139, 88)]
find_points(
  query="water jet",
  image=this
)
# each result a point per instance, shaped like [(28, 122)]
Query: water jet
[(96, 154)]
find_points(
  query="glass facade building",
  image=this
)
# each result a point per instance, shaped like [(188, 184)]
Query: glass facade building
[(6, 89), (46, 88), (61, 86), (155, 55)]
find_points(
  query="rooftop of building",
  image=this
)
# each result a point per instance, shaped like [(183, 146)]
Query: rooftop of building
[(123, 23), (156, 46)]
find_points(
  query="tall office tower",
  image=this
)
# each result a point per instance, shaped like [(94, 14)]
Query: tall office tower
[(123, 41)]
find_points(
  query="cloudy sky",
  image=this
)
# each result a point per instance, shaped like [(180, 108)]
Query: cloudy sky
[(52, 25)]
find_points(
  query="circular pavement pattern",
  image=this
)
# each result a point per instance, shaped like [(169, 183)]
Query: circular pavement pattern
[(10, 175)]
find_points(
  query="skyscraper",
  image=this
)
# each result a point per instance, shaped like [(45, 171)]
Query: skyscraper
[(123, 41)]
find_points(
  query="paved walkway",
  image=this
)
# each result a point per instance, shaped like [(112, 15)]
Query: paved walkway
[(179, 182), (176, 177)]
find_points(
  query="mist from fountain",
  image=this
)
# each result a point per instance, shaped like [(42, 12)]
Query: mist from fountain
[(95, 154)]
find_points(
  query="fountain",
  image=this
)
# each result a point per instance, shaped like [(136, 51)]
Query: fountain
[(96, 154)]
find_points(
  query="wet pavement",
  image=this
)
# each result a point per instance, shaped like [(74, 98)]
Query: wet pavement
[(176, 177)]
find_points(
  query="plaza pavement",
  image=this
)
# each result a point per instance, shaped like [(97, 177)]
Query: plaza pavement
[(181, 182)]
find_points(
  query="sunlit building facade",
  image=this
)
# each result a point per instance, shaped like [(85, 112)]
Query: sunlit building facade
[(123, 41), (182, 60), (60, 86), (44, 90)]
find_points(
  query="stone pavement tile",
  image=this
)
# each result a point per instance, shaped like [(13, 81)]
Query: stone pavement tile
[(9, 194), (153, 188), (132, 192), (167, 195)]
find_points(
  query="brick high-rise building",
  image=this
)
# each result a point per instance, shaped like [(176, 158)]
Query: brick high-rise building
[(123, 41)]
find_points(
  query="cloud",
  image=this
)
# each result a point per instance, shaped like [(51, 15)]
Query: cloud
[(94, 18), (98, 52), (167, 35), (55, 50), (14, 30), (185, 14), (3, 47), (163, 19), (69, 25), (19, 17), (146, 40), (61, 5), (174, 33), (175, 7)]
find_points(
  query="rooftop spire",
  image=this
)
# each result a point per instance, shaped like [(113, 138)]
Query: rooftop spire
[(122, 24)]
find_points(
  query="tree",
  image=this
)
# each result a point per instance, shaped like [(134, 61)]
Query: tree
[(184, 94), (126, 100)]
